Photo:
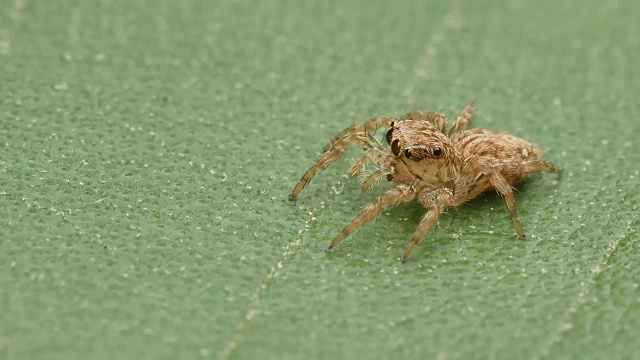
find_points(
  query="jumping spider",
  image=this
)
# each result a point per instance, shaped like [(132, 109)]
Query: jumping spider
[(441, 169)]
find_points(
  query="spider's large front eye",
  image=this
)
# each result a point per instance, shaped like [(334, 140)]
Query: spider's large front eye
[(389, 135), (395, 147), (437, 151)]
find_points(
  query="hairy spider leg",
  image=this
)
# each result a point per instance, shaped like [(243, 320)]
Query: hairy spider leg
[(462, 120), (373, 178), (357, 134), (371, 154), (538, 165), (435, 118), (436, 201), (370, 125), (397, 195), (505, 189)]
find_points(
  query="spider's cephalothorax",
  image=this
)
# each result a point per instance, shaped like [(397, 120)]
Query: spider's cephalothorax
[(440, 169)]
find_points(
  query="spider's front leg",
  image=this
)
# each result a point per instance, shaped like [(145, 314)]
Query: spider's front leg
[(397, 195), (368, 126), (358, 134), (437, 201)]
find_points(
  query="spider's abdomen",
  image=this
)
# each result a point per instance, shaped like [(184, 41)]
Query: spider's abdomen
[(496, 146), (503, 152)]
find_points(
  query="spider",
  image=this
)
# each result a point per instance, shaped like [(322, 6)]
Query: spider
[(438, 168)]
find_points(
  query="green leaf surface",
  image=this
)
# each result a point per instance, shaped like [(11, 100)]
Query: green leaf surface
[(148, 148)]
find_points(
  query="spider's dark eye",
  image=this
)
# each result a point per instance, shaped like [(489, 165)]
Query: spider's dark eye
[(389, 135), (437, 151), (395, 147), (407, 153)]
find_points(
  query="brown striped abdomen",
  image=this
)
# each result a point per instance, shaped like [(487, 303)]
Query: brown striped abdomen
[(503, 152)]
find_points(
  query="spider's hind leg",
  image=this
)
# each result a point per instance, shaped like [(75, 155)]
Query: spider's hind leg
[(503, 187), (463, 120), (538, 165)]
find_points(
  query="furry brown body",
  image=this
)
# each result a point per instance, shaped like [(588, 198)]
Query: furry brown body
[(442, 170)]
